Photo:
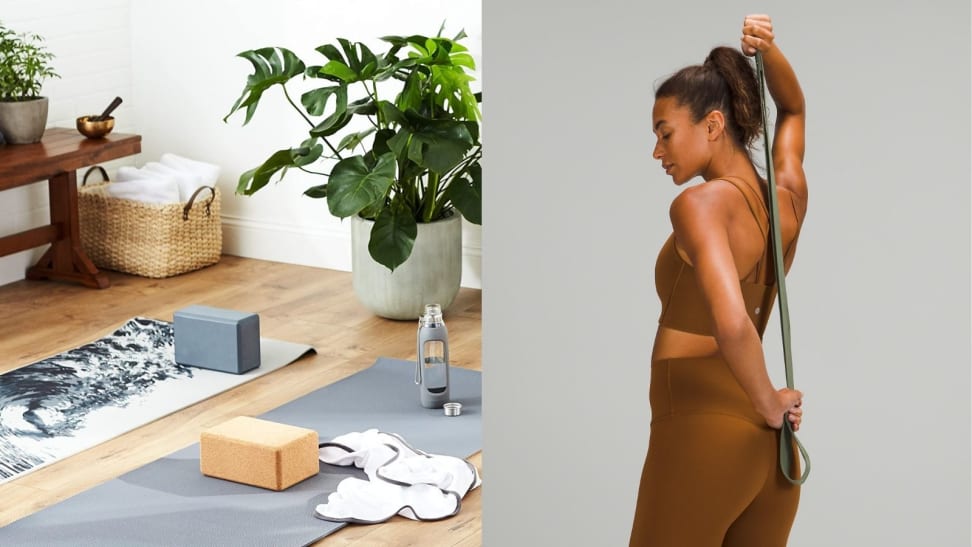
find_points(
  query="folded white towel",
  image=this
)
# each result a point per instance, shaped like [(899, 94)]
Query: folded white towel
[(403, 480), (208, 171), (188, 181), (145, 190), (126, 173)]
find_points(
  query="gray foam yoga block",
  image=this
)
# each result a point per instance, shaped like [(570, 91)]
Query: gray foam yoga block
[(217, 339)]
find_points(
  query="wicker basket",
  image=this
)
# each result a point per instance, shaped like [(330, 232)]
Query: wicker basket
[(148, 239)]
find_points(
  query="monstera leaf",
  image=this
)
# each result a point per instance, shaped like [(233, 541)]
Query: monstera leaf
[(437, 145), (393, 235), (354, 186), (272, 66), (466, 194)]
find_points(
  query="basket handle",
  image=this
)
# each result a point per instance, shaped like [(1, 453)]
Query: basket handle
[(188, 207), (104, 174)]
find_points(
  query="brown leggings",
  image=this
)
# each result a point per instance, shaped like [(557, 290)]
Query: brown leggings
[(711, 477)]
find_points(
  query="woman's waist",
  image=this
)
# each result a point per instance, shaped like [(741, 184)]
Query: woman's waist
[(698, 385), (675, 344)]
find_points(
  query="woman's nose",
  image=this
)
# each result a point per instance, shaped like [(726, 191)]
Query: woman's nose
[(657, 153)]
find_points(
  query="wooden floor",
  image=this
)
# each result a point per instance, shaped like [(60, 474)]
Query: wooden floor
[(295, 303)]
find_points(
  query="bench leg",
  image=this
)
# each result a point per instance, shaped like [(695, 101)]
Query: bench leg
[(65, 260)]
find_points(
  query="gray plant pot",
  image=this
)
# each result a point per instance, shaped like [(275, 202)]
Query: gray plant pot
[(431, 275), (23, 122)]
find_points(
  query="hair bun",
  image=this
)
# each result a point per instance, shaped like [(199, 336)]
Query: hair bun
[(726, 81), (740, 77)]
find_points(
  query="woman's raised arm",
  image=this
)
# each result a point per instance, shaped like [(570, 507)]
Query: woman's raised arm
[(788, 142)]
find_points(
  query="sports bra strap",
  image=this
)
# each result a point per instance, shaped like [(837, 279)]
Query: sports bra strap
[(749, 194)]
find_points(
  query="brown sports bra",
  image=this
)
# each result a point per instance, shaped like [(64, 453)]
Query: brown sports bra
[(684, 307)]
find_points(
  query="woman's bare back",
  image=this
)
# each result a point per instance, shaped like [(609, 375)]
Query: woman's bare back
[(747, 241)]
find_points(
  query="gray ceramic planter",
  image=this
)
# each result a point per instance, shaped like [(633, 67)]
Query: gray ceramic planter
[(431, 275), (23, 122)]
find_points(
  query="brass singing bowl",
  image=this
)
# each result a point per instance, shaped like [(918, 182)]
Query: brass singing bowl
[(95, 129)]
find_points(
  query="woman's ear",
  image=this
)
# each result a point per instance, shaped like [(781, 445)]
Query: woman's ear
[(715, 124)]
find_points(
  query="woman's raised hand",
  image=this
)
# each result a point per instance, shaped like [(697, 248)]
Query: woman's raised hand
[(757, 34)]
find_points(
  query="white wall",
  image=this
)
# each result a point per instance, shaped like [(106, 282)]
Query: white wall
[(91, 42), (174, 63)]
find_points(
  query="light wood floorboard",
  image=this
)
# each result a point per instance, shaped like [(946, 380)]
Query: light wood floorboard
[(295, 303)]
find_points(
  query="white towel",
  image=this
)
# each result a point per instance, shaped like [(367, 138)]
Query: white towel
[(126, 173), (146, 190), (208, 171), (445, 472), (371, 502), (188, 181), (402, 480)]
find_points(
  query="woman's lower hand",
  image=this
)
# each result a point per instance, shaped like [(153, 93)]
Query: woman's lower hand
[(795, 415), (785, 402)]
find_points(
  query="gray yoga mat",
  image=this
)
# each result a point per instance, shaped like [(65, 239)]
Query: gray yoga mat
[(169, 502)]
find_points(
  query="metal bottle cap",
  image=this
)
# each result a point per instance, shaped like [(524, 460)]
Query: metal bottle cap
[(452, 409)]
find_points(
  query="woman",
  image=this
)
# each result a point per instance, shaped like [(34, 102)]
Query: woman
[(711, 477)]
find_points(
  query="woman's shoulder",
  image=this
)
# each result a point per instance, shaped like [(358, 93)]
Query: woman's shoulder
[(701, 206), (706, 198)]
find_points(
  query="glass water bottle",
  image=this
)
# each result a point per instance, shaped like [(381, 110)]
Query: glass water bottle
[(432, 368)]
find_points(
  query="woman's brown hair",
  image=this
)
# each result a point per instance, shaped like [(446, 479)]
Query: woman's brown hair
[(726, 81)]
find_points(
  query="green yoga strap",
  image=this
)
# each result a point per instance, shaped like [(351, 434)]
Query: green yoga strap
[(787, 436)]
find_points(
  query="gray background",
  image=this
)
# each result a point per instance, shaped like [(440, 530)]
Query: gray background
[(576, 210)]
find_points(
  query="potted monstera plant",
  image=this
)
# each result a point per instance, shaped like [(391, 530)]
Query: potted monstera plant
[(396, 136), (24, 66)]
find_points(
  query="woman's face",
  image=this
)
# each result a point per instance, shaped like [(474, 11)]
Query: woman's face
[(682, 145)]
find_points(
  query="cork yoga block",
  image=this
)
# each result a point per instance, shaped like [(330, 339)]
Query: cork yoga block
[(259, 452)]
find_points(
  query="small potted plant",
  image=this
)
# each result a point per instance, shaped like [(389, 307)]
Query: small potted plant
[(24, 65), (402, 162)]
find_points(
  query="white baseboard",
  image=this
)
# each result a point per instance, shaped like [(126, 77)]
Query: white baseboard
[(317, 247), (14, 267)]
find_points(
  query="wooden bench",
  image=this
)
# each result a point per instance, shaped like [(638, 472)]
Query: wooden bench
[(57, 157)]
